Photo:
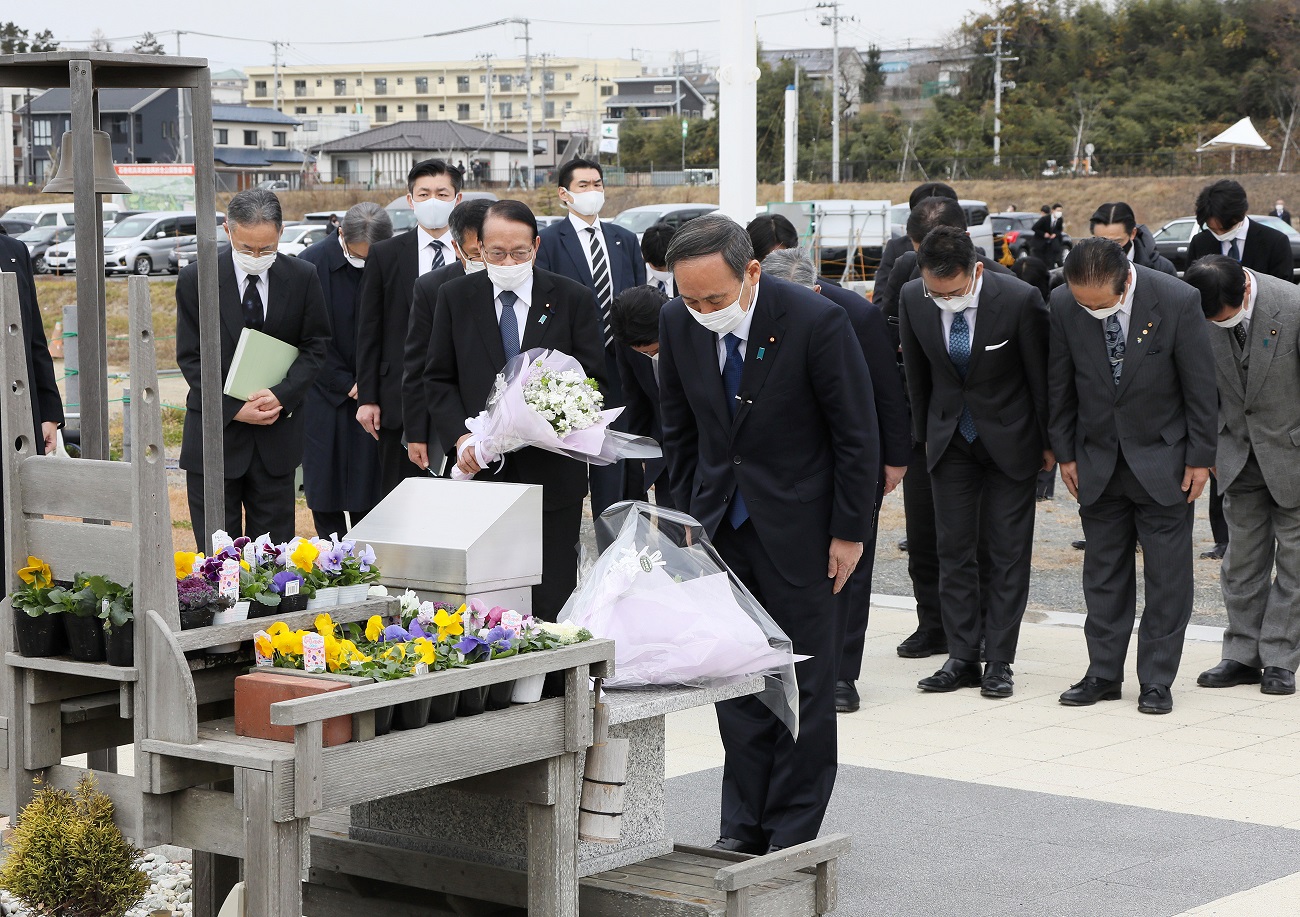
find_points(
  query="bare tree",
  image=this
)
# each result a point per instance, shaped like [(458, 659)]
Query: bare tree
[(99, 41)]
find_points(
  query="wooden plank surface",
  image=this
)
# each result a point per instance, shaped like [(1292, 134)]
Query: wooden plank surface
[(308, 768), (553, 847), (64, 665), (124, 791), (783, 862), (174, 718), (76, 547), (82, 488), (207, 820), (273, 852)]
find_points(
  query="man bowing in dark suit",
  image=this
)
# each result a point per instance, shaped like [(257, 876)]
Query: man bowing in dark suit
[(1222, 208), (1134, 421), (636, 333), (433, 191), (263, 437), (482, 321), (975, 350), (606, 259), (771, 439)]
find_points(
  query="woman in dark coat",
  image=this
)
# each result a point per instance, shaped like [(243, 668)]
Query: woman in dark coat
[(340, 463)]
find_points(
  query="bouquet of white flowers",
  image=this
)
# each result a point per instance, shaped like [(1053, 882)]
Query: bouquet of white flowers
[(544, 399)]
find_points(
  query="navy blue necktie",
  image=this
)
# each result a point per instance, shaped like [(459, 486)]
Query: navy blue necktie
[(732, 370), (959, 351), (254, 314), (438, 260), (1234, 251), (509, 324)]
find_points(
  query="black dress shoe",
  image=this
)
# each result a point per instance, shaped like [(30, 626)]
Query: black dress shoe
[(1155, 699), (1277, 680), (997, 680), (902, 545), (846, 697), (956, 673), (732, 845), (1228, 673), (1080, 545), (1090, 690), (923, 643), (1215, 553)]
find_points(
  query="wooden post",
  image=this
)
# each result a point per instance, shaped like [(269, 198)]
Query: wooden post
[(71, 361), (272, 851), (553, 849)]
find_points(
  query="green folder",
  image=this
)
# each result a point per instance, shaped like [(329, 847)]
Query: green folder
[(260, 362)]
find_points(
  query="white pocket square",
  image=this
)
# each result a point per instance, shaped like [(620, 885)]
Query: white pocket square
[(996, 346)]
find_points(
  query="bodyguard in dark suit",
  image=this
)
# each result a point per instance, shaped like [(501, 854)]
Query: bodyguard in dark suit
[(1222, 208), (481, 321), (606, 259), (1133, 425), (340, 463), (1280, 211), (466, 225), (433, 191), (47, 404), (1255, 335), (975, 350), (636, 335), (770, 435), (895, 438), (654, 249), (263, 437)]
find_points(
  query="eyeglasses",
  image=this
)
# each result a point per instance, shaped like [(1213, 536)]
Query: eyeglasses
[(930, 294), (518, 256)]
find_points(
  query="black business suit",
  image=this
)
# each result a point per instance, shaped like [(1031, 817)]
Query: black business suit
[(260, 460), (416, 420), (802, 451), (894, 249), (47, 404), (895, 437), (642, 418), (392, 268), (1266, 250), (1005, 389), (1132, 442), (465, 355)]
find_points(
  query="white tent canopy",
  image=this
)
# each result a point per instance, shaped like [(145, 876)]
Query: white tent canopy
[(1241, 134)]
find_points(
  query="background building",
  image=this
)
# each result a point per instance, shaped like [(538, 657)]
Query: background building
[(381, 157), (655, 97), (256, 144)]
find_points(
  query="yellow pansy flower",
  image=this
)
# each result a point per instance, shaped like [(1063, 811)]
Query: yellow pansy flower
[(288, 643), (279, 627), (448, 624), (396, 652), (325, 625), (374, 628), (264, 646), (304, 556), (185, 561), (423, 648), (37, 573)]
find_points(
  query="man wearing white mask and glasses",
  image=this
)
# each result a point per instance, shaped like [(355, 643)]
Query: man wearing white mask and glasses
[(1134, 425), (263, 437), (975, 353), (605, 258), (480, 322), (433, 191)]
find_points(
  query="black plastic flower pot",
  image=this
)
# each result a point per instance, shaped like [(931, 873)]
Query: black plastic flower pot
[(472, 701), (443, 707), (383, 721), (85, 638), (498, 695), (197, 617), (291, 603), (257, 610), (42, 635), (412, 714), (119, 644)]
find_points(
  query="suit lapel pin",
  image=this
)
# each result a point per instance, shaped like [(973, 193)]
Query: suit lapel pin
[(760, 352), (541, 320)]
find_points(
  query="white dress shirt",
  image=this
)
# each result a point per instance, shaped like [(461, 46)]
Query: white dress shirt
[(1240, 236), (584, 240), (946, 317), (1125, 313), (742, 332), (1250, 299), (263, 286), (524, 300), (427, 245)]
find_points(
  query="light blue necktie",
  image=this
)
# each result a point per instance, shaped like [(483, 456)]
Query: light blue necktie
[(732, 370), (509, 324), (959, 351)]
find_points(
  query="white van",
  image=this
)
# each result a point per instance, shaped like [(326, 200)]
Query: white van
[(53, 214), (979, 223)]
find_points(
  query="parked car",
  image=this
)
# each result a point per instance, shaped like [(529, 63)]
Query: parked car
[(141, 244), (295, 237), (639, 219), (38, 241), (188, 251), (15, 227), (403, 217), (544, 221), (1173, 238), (979, 225), (61, 258), (274, 184), (52, 214), (1016, 230)]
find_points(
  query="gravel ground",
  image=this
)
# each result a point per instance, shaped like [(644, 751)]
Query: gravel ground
[(1056, 584), (169, 889)]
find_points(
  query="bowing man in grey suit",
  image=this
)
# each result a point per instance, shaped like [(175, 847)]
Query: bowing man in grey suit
[(1256, 362), (1133, 425)]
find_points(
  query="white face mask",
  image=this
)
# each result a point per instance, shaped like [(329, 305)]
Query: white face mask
[(250, 265), (666, 277), (1227, 236), (1101, 314), (351, 258), (473, 267), (955, 304), (510, 276), (433, 213), (722, 321), (1058, 214), (1234, 321), (587, 203)]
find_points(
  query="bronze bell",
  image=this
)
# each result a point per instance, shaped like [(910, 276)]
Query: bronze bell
[(106, 177)]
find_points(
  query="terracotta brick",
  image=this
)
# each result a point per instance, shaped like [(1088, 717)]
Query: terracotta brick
[(257, 691)]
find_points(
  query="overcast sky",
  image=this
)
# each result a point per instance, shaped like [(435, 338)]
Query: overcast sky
[(332, 31)]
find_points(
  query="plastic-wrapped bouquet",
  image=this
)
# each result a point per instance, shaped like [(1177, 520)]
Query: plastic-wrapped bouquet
[(544, 399)]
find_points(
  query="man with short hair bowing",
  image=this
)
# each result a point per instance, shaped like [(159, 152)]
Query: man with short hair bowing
[(1133, 421), (770, 434)]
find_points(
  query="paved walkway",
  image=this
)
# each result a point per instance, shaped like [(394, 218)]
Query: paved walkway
[(965, 805)]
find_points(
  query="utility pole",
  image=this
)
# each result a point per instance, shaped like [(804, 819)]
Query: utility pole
[(275, 50), (488, 104), (595, 110), (998, 85), (833, 19), (544, 59), (180, 107), (528, 99)]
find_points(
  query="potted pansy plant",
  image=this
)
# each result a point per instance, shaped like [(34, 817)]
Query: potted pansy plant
[(80, 610), (37, 622)]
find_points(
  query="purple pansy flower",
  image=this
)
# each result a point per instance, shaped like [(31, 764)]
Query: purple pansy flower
[(366, 558), (282, 579), (241, 542), (500, 638), (395, 632), (472, 645), (331, 560), (415, 630)]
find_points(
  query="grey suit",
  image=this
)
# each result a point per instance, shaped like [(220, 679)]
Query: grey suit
[(1259, 471), (1132, 442)]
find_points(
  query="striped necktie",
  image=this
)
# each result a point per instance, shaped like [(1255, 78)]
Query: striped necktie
[(604, 288), (438, 260)]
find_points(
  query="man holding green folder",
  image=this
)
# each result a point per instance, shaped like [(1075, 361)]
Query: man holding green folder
[(281, 300)]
